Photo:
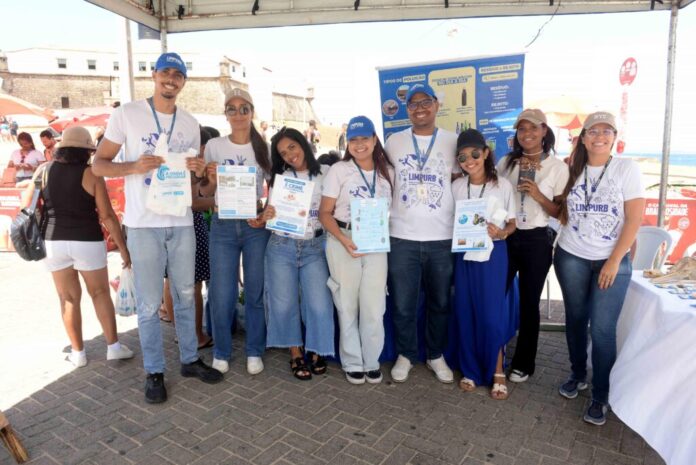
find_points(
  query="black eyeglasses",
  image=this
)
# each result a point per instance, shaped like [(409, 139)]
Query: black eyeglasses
[(243, 110), (424, 104), (463, 157)]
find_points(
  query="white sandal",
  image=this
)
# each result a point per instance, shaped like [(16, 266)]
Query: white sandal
[(499, 391), (467, 385)]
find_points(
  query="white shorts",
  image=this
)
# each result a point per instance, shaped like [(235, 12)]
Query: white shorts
[(80, 255)]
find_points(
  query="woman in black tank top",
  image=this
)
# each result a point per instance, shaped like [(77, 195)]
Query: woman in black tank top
[(75, 202)]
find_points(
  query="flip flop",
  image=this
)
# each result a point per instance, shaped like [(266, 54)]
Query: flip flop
[(205, 345)]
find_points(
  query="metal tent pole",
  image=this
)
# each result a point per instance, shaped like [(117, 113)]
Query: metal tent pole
[(667, 131), (163, 25)]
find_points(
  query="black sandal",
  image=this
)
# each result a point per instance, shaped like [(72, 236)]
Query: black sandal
[(317, 364), (299, 369)]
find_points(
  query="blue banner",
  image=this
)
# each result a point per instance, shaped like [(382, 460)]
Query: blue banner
[(480, 93)]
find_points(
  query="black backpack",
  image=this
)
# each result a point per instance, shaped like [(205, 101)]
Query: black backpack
[(25, 231)]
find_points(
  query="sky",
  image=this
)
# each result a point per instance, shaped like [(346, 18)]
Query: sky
[(577, 56)]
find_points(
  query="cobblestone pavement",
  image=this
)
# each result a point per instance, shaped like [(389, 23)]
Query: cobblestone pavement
[(96, 415)]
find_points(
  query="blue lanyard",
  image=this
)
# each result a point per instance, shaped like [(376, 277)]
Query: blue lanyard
[(371, 189), (294, 173), (159, 128), (423, 159)]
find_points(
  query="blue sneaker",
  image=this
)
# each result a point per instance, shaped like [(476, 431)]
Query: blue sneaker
[(596, 414), (570, 388)]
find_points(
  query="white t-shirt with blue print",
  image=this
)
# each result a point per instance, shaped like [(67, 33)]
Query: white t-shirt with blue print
[(344, 183), (133, 126), (412, 217), (594, 237)]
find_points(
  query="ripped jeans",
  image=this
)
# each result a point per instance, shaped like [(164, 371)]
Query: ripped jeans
[(153, 250)]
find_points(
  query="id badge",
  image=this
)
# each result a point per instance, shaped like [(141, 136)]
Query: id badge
[(585, 226), (522, 217), (422, 192)]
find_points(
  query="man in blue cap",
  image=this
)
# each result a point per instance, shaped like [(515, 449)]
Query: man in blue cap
[(421, 232), (158, 241)]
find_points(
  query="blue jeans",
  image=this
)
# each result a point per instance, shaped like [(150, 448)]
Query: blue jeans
[(410, 263), (230, 240), (154, 250), (296, 291), (586, 303)]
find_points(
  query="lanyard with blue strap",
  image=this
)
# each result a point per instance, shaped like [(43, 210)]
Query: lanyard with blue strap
[(370, 188), (423, 159), (159, 128), (294, 173)]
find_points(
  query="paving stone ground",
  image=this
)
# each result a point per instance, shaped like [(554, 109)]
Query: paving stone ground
[(96, 415)]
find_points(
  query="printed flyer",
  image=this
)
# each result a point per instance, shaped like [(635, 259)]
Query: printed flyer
[(369, 219), (236, 192), (292, 198), (470, 226)]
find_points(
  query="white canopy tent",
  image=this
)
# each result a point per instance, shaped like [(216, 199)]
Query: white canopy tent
[(203, 15)]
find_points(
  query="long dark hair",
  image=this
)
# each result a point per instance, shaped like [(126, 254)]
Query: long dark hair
[(578, 160), (260, 149), (25, 136), (379, 157), (73, 155), (488, 166), (279, 165), (548, 145)]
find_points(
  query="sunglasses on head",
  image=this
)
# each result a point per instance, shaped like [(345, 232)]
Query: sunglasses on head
[(475, 154), (243, 110)]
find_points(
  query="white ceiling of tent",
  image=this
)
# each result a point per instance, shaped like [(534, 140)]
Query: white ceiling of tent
[(202, 15)]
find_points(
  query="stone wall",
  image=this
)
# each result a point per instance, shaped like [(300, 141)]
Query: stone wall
[(200, 95)]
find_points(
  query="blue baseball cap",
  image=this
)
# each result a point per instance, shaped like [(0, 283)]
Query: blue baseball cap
[(423, 89), (171, 60), (360, 126)]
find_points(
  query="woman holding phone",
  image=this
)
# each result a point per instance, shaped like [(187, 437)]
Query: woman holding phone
[(540, 179)]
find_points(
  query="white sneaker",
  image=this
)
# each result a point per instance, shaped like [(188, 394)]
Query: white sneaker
[(221, 365), (254, 365), (401, 368), (518, 376), (122, 353), (78, 359), (442, 371)]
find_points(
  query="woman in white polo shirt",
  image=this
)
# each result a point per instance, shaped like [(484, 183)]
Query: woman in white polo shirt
[(601, 213), (484, 320), (296, 270), (358, 281), (540, 178), (26, 158)]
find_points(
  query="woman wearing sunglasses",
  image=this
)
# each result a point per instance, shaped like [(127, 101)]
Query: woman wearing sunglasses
[(358, 281), (296, 269), (540, 178), (484, 320), (601, 213), (232, 240)]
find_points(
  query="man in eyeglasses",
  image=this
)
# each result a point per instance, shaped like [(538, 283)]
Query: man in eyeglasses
[(158, 242), (421, 232)]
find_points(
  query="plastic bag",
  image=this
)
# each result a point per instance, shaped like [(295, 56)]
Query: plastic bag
[(125, 295)]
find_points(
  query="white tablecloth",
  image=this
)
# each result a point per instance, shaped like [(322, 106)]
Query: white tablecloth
[(652, 388)]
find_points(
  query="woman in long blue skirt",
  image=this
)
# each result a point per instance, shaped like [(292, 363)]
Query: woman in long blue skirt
[(485, 322)]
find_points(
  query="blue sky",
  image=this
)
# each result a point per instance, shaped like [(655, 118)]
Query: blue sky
[(577, 56)]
